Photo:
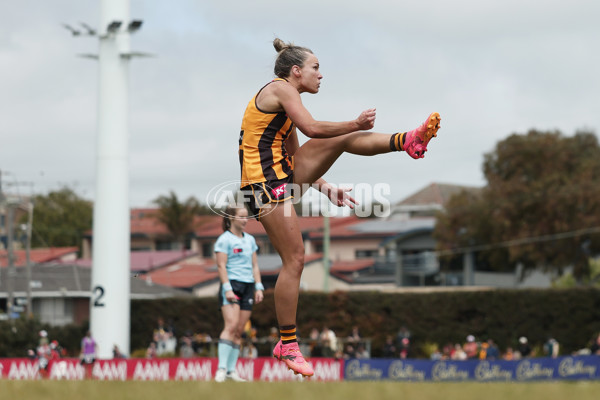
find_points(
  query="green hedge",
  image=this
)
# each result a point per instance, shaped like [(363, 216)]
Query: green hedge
[(572, 316)]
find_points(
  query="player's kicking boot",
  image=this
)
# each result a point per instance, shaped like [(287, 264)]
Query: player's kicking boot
[(292, 357), (415, 142)]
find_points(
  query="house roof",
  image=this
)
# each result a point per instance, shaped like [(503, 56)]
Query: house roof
[(307, 225), (184, 275), (352, 266), (377, 228), (193, 274), (144, 222), (42, 255), (54, 280), (435, 193), (270, 264), (144, 261), (149, 260)]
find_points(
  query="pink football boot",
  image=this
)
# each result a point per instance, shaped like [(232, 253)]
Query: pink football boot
[(416, 140), (291, 356)]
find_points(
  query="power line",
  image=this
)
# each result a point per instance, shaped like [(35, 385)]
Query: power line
[(519, 242)]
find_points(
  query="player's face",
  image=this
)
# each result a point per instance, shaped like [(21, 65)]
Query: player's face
[(241, 218), (311, 76)]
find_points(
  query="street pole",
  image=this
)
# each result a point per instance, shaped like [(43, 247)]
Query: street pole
[(28, 256), (399, 265), (326, 243), (10, 280)]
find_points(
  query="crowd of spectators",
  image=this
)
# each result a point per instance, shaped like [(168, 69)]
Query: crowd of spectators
[(326, 343), (473, 349), (45, 351)]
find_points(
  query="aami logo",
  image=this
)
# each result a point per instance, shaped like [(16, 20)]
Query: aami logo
[(237, 250), (279, 190)]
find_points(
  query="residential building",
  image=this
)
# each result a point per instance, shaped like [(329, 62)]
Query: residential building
[(61, 293)]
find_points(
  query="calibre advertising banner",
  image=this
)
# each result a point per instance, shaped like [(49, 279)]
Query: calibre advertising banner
[(195, 369), (530, 369)]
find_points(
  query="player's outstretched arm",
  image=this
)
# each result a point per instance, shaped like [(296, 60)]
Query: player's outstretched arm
[(290, 101)]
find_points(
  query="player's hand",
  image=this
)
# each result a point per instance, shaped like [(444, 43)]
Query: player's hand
[(340, 196), (258, 296), (366, 120), (231, 297)]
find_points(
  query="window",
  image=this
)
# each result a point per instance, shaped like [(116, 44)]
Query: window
[(207, 249), (366, 253), (54, 311)]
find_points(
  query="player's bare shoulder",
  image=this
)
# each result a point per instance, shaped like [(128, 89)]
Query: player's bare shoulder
[(271, 98)]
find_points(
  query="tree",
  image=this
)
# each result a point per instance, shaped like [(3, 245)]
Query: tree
[(60, 218), (541, 205), (176, 216)]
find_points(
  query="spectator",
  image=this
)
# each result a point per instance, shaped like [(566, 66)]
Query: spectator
[(201, 343), (316, 348), (361, 352), (403, 333), (595, 347), (151, 351), (389, 350), (88, 352), (404, 348), (436, 355), (349, 352), (459, 353), (492, 352), (43, 352), (509, 354), (447, 351), (250, 350), (471, 348), (329, 342), (483, 348), (524, 349), (164, 338), (551, 347), (56, 351), (186, 349), (273, 335), (117, 354), (88, 349), (354, 336), (403, 342)]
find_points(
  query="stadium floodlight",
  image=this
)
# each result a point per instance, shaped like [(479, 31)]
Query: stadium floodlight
[(114, 26), (74, 31), (110, 318), (135, 25), (90, 31)]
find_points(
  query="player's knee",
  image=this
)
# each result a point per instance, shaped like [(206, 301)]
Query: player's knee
[(296, 261), (232, 331)]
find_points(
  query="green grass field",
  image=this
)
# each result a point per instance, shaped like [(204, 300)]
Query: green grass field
[(93, 390)]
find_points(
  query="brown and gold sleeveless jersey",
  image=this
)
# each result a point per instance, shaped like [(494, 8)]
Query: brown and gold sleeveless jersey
[(262, 144)]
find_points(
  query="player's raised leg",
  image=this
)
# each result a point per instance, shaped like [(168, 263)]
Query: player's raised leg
[(314, 158)]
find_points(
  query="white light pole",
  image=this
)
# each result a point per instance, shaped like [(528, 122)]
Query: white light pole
[(110, 285), (109, 305)]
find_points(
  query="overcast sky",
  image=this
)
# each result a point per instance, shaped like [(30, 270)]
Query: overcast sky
[(490, 68)]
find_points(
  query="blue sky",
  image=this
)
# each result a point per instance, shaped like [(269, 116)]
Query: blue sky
[(491, 68)]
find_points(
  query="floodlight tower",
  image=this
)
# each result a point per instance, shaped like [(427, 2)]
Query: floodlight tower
[(110, 284)]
